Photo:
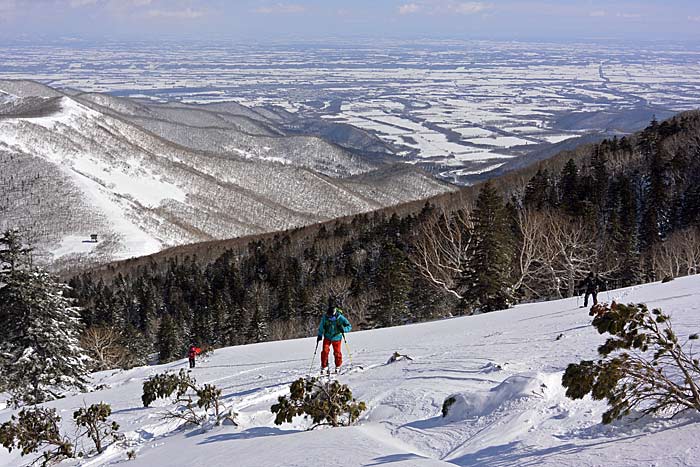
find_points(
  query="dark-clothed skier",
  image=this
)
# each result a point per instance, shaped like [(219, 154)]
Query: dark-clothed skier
[(192, 354), (333, 326), (591, 284)]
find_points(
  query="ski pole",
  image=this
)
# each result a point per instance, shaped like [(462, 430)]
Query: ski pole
[(311, 367), (347, 347)]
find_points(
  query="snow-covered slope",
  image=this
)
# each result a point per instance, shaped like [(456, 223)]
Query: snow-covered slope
[(25, 88), (505, 368), (73, 166)]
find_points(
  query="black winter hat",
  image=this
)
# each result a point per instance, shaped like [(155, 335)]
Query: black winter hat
[(332, 303)]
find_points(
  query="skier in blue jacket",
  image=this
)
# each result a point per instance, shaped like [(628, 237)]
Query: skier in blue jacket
[(333, 326)]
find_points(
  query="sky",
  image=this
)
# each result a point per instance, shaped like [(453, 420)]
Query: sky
[(272, 20)]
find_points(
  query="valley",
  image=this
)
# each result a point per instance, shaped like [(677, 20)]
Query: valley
[(145, 176)]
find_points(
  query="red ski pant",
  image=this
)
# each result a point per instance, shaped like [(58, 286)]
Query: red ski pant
[(337, 355)]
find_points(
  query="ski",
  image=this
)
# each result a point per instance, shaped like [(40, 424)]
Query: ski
[(350, 369)]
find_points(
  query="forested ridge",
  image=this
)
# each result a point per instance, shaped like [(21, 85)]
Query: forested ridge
[(627, 208)]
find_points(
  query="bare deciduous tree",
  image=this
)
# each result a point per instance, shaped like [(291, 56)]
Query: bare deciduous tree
[(337, 286), (556, 252), (535, 258), (442, 247), (575, 245), (103, 344), (679, 254)]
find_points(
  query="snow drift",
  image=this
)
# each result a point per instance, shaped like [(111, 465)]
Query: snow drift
[(464, 406)]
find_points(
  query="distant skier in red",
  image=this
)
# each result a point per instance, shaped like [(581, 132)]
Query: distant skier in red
[(333, 326), (192, 353)]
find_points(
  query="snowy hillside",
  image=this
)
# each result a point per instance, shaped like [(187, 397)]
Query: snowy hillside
[(149, 176), (505, 368)]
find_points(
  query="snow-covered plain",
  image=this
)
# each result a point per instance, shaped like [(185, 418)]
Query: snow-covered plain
[(417, 96), (505, 368)]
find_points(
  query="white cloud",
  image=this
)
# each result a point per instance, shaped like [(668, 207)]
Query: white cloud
[(469, 8), (187, 13), (408, 9), (114, 5), (629, 15), (280, 9), (444, 7), (82, 3), (695, 19)]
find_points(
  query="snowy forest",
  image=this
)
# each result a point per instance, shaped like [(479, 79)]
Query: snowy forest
[(627, 208)]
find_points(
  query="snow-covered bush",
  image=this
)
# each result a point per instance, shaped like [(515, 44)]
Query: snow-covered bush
[(325, 402), (95, 421), (643, 365), (196, 405), (36, 429)]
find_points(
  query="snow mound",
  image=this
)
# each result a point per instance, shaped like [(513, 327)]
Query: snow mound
[(467, 405)]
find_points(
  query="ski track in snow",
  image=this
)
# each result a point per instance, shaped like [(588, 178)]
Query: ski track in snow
[(504, 369)]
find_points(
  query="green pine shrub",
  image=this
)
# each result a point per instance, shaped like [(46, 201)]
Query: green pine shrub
[(37, 429), (324, 402), (643, 365), (197, 405), (95, 421)]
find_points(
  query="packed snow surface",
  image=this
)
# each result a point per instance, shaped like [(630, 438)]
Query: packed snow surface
[(503, 370)]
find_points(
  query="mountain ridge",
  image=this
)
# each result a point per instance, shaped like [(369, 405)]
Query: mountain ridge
[(158, 183)]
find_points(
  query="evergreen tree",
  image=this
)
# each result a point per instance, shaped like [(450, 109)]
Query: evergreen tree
[(649, 139), (569, 188), (147, 307), (12, 253), (690, 212), (238, 326), (487, 282), (287, 290), (601, 178), (655, 212), (41, 329), (259, 300), (628, 243), (392, 283), (538, 192), (425, 302), (168, 342), (257, 329)]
